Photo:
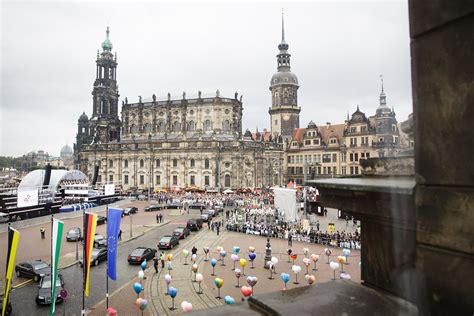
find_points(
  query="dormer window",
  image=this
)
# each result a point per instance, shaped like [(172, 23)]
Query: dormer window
[(316, 141), (294, 144), (353, 129), (307, 142), (363, 129), (333, 141)]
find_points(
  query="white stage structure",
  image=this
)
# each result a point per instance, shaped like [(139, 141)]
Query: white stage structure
[(285, 201)]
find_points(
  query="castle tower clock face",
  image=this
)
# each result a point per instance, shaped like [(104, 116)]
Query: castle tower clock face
[(286, 117)]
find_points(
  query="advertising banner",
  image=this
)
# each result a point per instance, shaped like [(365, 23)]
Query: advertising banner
[(27, 198), (109, 189)]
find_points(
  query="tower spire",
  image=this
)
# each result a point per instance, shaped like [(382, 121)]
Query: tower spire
[(383, 98), (282, 26)]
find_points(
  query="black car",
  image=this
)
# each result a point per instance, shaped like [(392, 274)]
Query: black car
[(74, 234), (44, 290), (98, 255), (34, 269), (181, 232), (129, 210), (152, 208), (101, 220), (168, 242), (9, 308), (192, 225), (99, 241), (139, 254)]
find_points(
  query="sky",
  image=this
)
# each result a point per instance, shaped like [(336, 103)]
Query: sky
[(338, 50)]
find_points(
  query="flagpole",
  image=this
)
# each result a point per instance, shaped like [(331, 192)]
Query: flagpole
[(52, 275), (107, 271), (83, 311)]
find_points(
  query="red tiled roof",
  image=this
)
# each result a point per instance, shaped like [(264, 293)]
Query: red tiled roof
[(327, 131), (266, 135)]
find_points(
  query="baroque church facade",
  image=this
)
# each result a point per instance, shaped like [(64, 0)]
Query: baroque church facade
[(198, 141)]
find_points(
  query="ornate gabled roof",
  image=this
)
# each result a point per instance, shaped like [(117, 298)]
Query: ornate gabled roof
[(358, 117), (311, 124)]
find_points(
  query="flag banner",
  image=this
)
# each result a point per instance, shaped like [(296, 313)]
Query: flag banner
[(55, 250), (13, 236), (90, 224), (113, 226)]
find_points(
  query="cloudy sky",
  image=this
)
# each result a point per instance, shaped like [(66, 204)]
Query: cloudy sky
[(338, 49)]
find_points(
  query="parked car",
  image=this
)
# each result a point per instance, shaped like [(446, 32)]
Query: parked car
[(9, 309), (44, 290), (199, 222), (101, 220), (205, 216), (192, 225), (129, 210), (98, 255), (152, 208), (74, 234), (181, 232), (168, 242), (99, 241), (34, 269), (139, 254), (211, 213)]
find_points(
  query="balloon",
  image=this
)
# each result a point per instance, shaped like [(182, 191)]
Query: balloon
[(341, 259), (294, 257), (306, 261), (141, 275), (172, 292), (169, 257), (169, 265), (213, 262), (251, 249), (289, 251), (334, 265), (143, 265), (185, 253), (223, 253), (237, 273), (138, 302), (345, 276), (314, 257), (285, 277), (194, 257), (219, 248), (168, 279), (137, 287), (274, 260), (218, 282), (234, 257), (305, 251), (270, 264), (186, 306), (199, 277), (296, 269), (346, 252), (111, 311), (229, 300), (251, 280), (243, 262), (246, 291), (327, 252), (194, 268), (236, 250), (252, 256), (310, 278), (143, 304)]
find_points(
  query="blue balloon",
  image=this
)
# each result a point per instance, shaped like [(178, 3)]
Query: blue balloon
[(252, 256), (229, 300), (172, 292), (285, 277), (236, 251), (137, 287), (213, 262), (143, 265)]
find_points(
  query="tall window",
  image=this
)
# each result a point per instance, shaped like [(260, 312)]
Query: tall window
[(226, 125), (111, 178), (175, 162), (207, 125), (161, 126), (142, 163), (227, 181), (142, 179), (157, 162), (111, 163), (191, 126), (334, 157), (125, 163), (192, 163), (175, 180), (206, 180), (193, 180), (176, 126), (158, 180), (206, 163), (125, 179)]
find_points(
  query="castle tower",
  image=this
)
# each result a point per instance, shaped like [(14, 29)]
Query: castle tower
[(284, 112), (105, 122), (387, 133)]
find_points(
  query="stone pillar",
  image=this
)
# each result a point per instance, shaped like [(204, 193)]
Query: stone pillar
[(442, 46)]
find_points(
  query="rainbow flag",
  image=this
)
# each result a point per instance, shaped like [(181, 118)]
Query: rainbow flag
[(90, 224), (13, 236)]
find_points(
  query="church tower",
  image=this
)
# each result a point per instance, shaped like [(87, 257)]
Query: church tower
[(284, 113), (105, 123)]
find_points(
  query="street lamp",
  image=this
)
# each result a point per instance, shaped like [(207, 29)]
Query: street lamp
[(131, 215)]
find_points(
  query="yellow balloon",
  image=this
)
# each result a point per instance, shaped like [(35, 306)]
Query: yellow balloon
[(169, 257), (341, 259), (243, 262)]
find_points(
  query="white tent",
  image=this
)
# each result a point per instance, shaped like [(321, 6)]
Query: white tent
[(285, 201), (228, 191)]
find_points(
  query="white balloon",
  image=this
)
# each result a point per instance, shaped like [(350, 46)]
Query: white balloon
[(334, 265), (296, 269), (141, 275), (274, 260), (199, 277)]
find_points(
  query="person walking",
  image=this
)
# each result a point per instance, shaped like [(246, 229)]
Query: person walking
[(42, 231), (194, 250), (120, 235), (155, 263), (157, 218), (290, 239), (317, 225), (217, 229), (162, 259)]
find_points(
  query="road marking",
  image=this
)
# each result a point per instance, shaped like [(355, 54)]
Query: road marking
[(16, 286)]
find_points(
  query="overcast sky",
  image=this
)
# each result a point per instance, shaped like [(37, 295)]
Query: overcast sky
[(338, 50)]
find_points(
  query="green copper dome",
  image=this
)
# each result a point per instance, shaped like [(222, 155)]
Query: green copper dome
[(107, 44)]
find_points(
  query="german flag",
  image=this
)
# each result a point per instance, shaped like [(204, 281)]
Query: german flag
[(90, 224), (13, 237)]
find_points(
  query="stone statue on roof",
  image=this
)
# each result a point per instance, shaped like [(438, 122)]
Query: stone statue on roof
[(241, 98), (218, 93), (169, 96), (126, 100), (154, 97), (139, 99), (184, 95), (235, 95), (199, 94)]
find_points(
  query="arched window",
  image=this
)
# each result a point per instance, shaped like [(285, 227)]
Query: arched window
[(176, 126), (161, 126), (142, 163), (206, 163), (175, 162), (134, 129), (207, 125), (191, 126), (147, 128), (192, 163), (226, 125), (227, 181), (157, 162)]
